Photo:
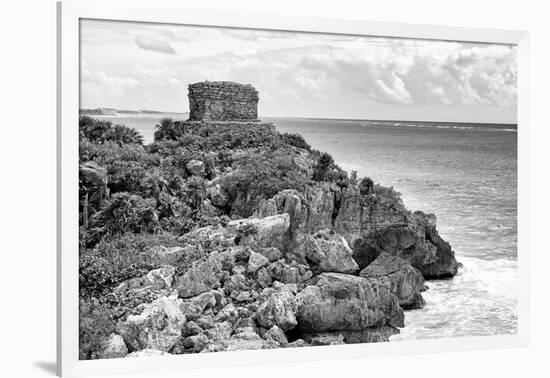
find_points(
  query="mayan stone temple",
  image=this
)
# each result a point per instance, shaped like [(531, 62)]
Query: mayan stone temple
[(222, 101), (224, 104)]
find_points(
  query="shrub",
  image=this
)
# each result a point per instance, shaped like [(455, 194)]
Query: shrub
[(95, 326), (366, 185), (122, 135), (260, 176), (323, 165), (124, 212), (116, 259), (167, 129), (101, 131), (295, 140)]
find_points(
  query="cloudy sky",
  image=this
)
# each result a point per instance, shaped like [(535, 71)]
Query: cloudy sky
[(148, 66)]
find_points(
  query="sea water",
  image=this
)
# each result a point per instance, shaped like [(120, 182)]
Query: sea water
[(466, 174)]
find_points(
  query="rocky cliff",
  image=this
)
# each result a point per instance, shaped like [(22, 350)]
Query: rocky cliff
[(228, 236)]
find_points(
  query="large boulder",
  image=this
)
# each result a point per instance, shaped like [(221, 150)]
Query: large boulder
[(114, 347), (256, 262), (340, 302), (292, 272), (250, 341), (161, 255), (327, 251), (194, 307), (156, 279), (265, 232), (202, 276), (158, 326), (278, 307), (309, 211), (416, 241), (404, 281)]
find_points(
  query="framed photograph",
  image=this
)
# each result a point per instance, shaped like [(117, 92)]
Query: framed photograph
[(240, 189)]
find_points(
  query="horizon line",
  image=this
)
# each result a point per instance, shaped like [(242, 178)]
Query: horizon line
[(321, 118)]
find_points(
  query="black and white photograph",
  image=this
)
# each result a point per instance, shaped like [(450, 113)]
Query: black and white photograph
[(243, 189)]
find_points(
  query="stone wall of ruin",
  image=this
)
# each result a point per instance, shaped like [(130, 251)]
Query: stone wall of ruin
[(222, 101)]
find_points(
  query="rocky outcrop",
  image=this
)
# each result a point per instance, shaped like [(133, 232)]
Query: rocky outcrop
[(326, 251), (204, 275), (404, 281), (114, 347), (370, 223), (278, 308), (291, 272), (415, 241), (265, 232), (157, 279), (340, 302), (310, 211), (158, 326)]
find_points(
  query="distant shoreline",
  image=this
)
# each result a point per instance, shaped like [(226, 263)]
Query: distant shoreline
[(112, 112), (123, 112)]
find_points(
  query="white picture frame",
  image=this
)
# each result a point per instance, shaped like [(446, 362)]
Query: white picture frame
[(170, 11)]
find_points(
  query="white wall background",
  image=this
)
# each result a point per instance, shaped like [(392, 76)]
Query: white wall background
[(27, 185)]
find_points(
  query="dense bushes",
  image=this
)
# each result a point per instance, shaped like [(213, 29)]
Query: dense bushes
[(295, 140), (260, 176), (100, 131), (117, 258), (95, 326)]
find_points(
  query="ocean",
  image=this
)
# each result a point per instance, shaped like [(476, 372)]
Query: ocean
[(466, 174)]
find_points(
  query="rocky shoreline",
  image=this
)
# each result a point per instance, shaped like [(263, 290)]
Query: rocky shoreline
[(323, 258)]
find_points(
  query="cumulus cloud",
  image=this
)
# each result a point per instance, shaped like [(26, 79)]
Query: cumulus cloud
[(153, 43), (307, 74)]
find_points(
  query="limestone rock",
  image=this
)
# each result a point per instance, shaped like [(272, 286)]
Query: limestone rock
[(271, 253), (250, 341), (194, 307), (256, 262), (327, 251), (114, 347), (404, 281), (331, 338), (265, 232), (289, 272), (276, 334), (340, 302), (156, 279), (158, 326), (278, 308), (161, 255), (416, 241), (310, 211), (202, 276)]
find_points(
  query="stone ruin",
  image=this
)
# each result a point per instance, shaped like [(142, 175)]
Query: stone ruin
[(223, 104), (222, 101)]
